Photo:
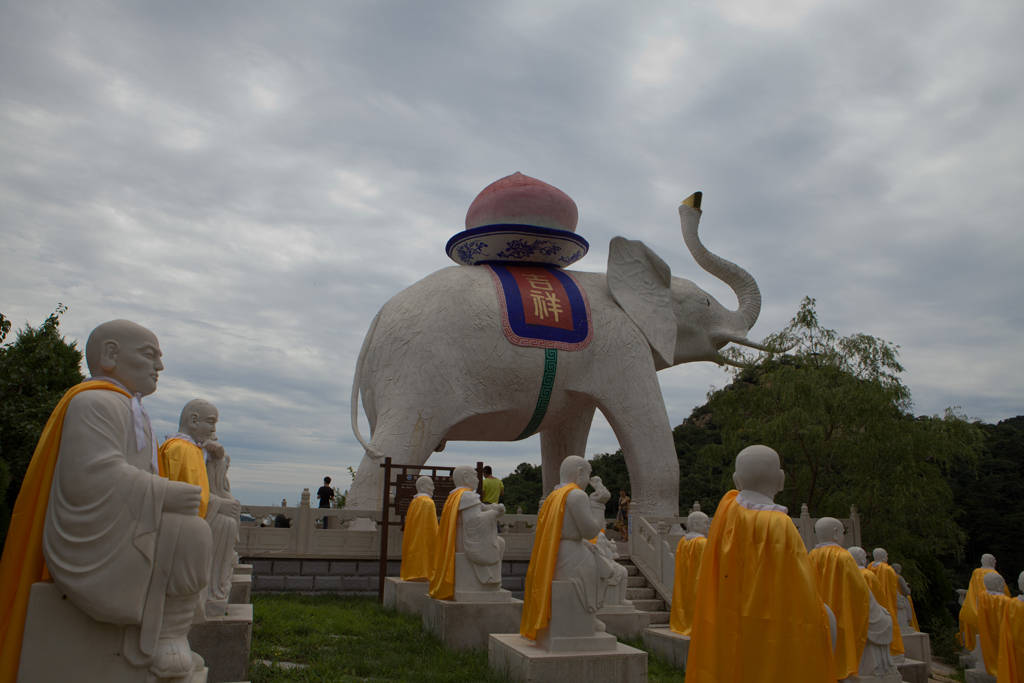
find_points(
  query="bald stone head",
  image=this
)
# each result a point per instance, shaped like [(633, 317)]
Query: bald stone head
[(757, 469), (994, 583), (898, 568), (199, 420), (1020, 583), (698, 523), (126, 352), (464, 475), (880, 555), (829, 530), (425, 485), (988, 561), (574, 470), (859, 555)]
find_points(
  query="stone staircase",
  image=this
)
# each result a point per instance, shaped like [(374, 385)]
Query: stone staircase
[(643, 596)]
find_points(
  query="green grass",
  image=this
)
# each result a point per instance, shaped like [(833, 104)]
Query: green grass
[(347, 638)]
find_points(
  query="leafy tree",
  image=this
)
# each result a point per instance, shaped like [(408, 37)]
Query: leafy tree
[(523, 488), (35, 371), (838, 414)]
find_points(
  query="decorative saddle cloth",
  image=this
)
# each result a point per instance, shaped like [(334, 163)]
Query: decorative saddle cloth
[(542, 306)]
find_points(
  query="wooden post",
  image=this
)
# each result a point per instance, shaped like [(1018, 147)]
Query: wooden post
[(386, 505)]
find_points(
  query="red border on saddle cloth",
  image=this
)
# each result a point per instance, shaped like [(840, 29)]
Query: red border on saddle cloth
[(542, 306)]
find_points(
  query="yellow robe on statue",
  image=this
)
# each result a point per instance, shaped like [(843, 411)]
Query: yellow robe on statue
[(22, 563), (543, 558), (182, 460), (1011, 644), (759, 617), (991, 609), (442, 573), (913, 614), (684, 588), (889, 584), (969, 610), (419, 539), (844, 589)]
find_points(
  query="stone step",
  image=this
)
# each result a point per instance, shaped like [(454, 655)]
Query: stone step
[(636, 582), (631, 569), (659, 617), (644, 593), (649, 605)]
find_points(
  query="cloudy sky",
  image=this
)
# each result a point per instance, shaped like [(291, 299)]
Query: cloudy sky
[(252, 181)]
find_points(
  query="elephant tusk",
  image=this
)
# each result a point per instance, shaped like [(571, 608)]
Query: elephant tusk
[(743, 341)]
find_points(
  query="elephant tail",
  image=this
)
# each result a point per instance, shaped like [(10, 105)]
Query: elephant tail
[(370, 451), (740, 281)]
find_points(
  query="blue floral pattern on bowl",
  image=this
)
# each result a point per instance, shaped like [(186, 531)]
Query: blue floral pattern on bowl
[(510, 243)]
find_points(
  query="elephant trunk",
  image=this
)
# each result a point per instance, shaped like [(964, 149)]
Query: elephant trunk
[(741, 282)]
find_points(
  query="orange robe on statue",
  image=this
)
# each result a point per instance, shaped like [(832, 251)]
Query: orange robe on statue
[(991, 609), (759, 617), (889, 584), (684, 588), (442, 574), (22, 563), (1011, 644), (969, 610), (844, 589), (543, 559), (181, 459), (419, 540)]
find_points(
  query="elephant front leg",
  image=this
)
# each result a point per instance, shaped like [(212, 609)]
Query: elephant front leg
[(565, 439), (641, 425)]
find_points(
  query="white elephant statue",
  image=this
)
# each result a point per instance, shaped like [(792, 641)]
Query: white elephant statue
[(435, 366)]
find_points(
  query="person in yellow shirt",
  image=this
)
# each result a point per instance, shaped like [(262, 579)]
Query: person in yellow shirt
[(493, 488), (182, 457), (759, 616)]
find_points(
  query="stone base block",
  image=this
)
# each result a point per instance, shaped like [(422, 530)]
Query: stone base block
[(243, 569), (241, 589), (888, 678), (466, 625), (978, 676), (626, 624), (918, 646), (62, 643), (406, 597), (671, 646), (518, 659), (224, 643), (913, 670)]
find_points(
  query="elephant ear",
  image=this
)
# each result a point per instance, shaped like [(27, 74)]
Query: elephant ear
[(641, 284)]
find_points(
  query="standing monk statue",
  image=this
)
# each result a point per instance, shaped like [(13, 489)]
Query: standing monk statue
[(193, 455), (123, 544)]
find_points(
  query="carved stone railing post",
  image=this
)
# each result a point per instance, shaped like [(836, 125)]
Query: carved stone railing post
[(304, 524)]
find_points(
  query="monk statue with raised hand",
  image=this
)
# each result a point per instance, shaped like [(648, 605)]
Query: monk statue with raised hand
[(188, 456), (124, 545), (969, 610), (689, 552), (467, 559), (758, 615), (419, 539), (889, 583), (563, 587), (863, 627)]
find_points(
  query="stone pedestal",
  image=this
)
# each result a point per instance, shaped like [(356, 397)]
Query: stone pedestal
[(518, 659), (62, 643), (917, 645), (241, 589), (466, 625), (243, 569), (978, 676), (469, 589), (406, 597), (913, 670), (671, 646), (571, 629), (624, 622), (224, 643)]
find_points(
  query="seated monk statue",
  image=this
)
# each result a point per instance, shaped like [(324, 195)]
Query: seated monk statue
[(889, 584), (467, 559), (905, 614), (123, 544), (1011, 639), (562, 556), (612, 574), (755, 580), (969, 610), (689, 551), (420, 535), (991, 609), (863, 628), (184, 457), (876, 660)]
